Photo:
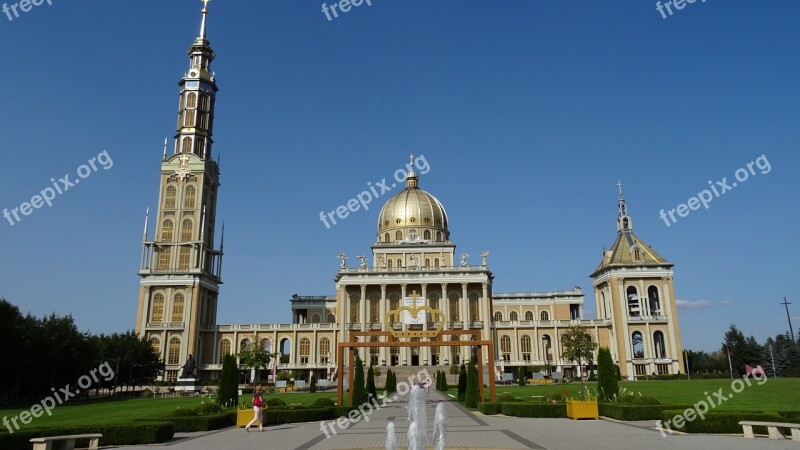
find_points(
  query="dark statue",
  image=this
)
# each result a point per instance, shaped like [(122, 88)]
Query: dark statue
[(188, 368)]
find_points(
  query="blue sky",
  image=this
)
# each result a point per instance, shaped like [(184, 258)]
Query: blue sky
[(528, 112)]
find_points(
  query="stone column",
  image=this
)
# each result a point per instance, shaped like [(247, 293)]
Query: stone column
[(486, 317), (403, 350), (444, 305), (425, 353), (383, 356)]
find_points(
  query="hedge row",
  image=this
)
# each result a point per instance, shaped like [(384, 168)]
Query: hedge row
[(539, 410), (635, 412), (123, 434), (723, 422), (203, 423), (490, 408)]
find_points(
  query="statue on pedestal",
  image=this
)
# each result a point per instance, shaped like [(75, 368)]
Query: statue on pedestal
[(188, 368)]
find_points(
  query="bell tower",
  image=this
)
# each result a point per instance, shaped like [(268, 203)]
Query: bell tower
[(181, 270)]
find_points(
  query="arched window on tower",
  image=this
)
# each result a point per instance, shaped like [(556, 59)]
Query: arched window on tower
[(190, 197), (389, 263), (399, 263), (224, 349), (164, 257), (426, 235), (191, 100), (438, 235), (174, 351), (427, 262), (184, 257), (186, 146), (186, 230), (177, 308), (387, 237), (155, 344), (655, 301), (398, 236), (634, 307), (436, 263), (659, 347), (167, 229), (157, 309), (637, 345), (170, 196)]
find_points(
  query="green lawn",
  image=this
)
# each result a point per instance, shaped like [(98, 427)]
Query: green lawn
[(125, 411), (775, 394)]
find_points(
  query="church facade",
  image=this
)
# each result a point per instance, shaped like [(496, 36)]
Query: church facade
[(414, 263)]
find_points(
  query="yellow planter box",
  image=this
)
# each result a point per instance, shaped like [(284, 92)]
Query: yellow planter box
[(582, 410)]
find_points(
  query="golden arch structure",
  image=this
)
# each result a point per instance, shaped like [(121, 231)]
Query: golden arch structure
[(361, 339)]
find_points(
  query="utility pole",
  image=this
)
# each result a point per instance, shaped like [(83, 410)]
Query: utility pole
[(786, 304)]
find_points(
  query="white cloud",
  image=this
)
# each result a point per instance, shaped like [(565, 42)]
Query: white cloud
[(725, 302), (697, 304)]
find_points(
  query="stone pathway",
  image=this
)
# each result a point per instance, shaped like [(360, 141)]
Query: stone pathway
[(466, 430)]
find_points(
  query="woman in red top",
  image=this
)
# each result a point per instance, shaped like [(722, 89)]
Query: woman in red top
[(258, 403)]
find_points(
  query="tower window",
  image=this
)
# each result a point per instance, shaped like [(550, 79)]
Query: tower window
[(399, 263), (157, 310), (398, 236), (155, 344), (177, 308), (186, 147), (438, 235), (413, 220), (655, 302), (191, 100), (436, 262), (398, 220), (427, 220), (427, 262), (169, 198), (637, 344), (224, 349), (186, 230), (634, 308), (389, 263), (658, 345), (167, 231), (190, 197), (174, 350), (164, 255), (188, 118), (427, 235), (184, 257), (387, 238)]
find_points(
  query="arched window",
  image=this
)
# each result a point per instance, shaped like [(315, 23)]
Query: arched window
[(547, 348), (266, 345), (389, 264), (528, 315), (398, 236), (245, 344), (399, 263), (177, 308), (315, 318), (544, 315), (427, 262), (433, 300), (155, 344), (186, 230), (498, 316), (324, 350), (190, 197), (198, 142), (514, 317), (191, 100), (224, 349), (634, 308), (157, 311), (436, 263), (637, 344), (186, 146), (184, 257), (374, 310), (387, 237), (474, 310), (655, 301), (659, 345), (525, 347), (331, 318), (167, 229), (505, 347), (169, 198), (174, 353), (426, 235), (438, 235), (305, 350)]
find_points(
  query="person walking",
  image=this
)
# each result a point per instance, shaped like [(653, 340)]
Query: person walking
[(258, 403)]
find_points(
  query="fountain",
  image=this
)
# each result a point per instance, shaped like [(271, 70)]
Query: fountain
[(418, 423)]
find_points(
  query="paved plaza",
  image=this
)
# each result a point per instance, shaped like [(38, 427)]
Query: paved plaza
[(466, 430)]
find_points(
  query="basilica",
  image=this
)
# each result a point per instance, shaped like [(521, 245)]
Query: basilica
[(414, 265)]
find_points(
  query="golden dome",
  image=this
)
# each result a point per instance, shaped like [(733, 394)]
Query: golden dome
[(412, 216)]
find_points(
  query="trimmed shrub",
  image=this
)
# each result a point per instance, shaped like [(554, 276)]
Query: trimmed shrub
[(313, 386), (372, 391), (445, 386), (229, 382), (203, 423), (521, 375), (324, 402), (280, 416), (462, 383), (539, 410), (635, 412), (607, 376), (471, 397), (723, 422), (489, 408), (505, 398), (391, 382), (275, 402), (358, 391), (208, 409), (123, 434)]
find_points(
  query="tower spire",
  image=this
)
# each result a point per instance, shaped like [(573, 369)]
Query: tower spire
[(624, 222), (203, 23), (412, 180)]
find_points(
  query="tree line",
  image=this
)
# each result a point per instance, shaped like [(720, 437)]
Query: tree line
[(40, 354), (747, 351)]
